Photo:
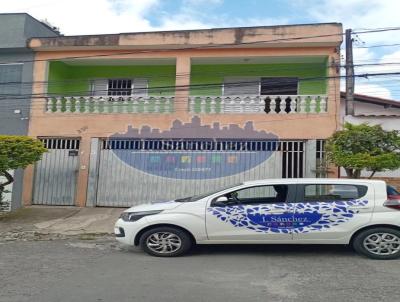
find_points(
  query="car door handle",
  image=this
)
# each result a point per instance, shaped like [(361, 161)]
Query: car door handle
[(359, 208)]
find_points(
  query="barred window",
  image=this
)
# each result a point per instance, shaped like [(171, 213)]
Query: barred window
[(119, 87)]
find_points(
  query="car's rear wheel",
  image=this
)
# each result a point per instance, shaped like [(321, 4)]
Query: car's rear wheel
[(165, 242), (378, 243)]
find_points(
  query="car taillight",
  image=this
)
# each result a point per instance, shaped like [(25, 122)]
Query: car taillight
[(392, 203)]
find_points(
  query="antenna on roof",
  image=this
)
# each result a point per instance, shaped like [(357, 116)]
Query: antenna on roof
[(54, 28)]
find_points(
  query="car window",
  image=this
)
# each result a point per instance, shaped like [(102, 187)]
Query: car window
[(260, 194), (332, 192), (201, 196), (391, 190)]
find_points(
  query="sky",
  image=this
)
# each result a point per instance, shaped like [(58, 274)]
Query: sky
[(78, 17)]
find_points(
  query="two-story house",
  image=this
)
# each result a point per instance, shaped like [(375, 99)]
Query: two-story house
[(16, 75), (135, 117)]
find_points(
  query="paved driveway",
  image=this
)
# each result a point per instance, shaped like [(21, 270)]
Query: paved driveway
[(99, 270)]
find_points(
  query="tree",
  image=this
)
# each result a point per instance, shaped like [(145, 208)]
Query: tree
[(364, 147), (17, 152)]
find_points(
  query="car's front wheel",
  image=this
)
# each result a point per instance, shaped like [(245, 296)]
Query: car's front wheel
[(165, 242), (378, 243)]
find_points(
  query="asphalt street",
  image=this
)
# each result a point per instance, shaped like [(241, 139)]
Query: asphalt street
[(101, 270)]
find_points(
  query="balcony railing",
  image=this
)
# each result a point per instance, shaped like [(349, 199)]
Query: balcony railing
[(264, 104), (110, 104), (271, 104)]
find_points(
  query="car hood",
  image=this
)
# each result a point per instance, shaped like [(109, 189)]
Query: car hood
[(154, 206)]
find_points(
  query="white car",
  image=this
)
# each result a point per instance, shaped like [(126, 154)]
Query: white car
[(273, 211)]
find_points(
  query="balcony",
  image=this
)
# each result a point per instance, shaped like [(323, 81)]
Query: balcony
[(240, 104), (110, 104), (264, 104)]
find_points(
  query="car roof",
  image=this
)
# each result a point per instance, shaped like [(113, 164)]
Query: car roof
[(311, 180)]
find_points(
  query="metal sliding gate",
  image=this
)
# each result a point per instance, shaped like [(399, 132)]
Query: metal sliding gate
[(56, 173), (135, 171)]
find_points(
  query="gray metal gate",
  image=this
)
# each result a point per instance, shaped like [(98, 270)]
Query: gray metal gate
[(136, 171), (56, 174)]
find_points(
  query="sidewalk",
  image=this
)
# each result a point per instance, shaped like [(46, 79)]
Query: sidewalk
[(42, 222)]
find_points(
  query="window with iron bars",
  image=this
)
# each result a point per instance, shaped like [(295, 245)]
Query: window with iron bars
[(119, 87), (321, 163)]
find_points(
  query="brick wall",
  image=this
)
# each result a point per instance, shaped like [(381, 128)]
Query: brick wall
[(394, 181)]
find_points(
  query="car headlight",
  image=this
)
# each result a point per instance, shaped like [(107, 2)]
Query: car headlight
[(134, 216)]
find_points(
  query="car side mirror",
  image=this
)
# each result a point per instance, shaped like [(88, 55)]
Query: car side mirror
[(220, 201)]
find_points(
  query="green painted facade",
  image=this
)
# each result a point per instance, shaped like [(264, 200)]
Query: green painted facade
[(311, 76), (75, 80), (72, 80)]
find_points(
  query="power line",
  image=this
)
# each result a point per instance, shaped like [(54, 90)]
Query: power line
[(186, 75), (195, 74), (207, 46), (379, 45), (178, 49), (219, 84)]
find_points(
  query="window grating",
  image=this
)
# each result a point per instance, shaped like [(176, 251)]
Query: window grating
[(60, 143), (119, 87), (321, 163), (191, 145)]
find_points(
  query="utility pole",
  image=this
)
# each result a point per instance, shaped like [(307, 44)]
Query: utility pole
[(349, 74)]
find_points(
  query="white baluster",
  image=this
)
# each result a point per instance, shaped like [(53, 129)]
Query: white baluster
[(212, 105), (282, 104), (96, 104), (171, 103), (313, 104), (68, 104), (123, 105), (222, 105), (192, 102), (58, 106), (230, 105), (323, 103), (49, 105), (128, 102), (156, 105), (260, 104), (250, 105), (203, 104), (272, 105), (86, 104), (146, 103), (292, 104), (134, 105), (303, 104)]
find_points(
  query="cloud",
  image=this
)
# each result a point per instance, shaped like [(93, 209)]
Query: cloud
[(373, 90), (116, 16), (359, 14), (89, 16)]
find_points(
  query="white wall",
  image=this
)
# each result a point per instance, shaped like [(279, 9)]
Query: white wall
[(388, 118), (6, 196)]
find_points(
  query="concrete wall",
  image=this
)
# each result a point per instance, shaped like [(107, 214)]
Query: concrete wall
[(15, 29), (184, 47), (388, 118)]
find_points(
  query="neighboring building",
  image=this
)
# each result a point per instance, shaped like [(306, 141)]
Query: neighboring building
[(375, 111), (16, 66), (135, 117)]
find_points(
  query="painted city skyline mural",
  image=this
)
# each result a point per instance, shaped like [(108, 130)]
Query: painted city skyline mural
[(194, 151)]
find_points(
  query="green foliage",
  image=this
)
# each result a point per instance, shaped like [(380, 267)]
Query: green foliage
[(359, 147), (19, 152)]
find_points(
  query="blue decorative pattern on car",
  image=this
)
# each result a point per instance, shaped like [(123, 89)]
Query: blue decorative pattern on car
[(295, 217)]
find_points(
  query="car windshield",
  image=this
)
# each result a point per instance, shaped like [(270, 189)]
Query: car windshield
[(198, 197), (391, 190)]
